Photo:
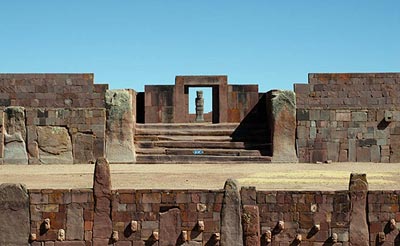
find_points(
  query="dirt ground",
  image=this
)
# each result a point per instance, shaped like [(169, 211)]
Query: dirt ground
[(334, 176)]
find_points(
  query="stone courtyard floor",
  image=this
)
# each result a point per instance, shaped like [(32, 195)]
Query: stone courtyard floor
[(334, 176)]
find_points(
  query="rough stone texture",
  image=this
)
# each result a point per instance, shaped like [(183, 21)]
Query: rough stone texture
[(75, 223), (15, 136), (251, 225), (55, 145), (83, 145), (170, 227), (120, 105), (283, 105), (358, 228), (14, 215), (360, 111), (231, 224), (102, 225)]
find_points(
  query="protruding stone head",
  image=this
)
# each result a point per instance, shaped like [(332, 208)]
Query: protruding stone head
[(316, 228), (216, 236), (281, 225), (134, 226), (61, 235), (155, 236), (46, 224), (32, 237), (184, 236), (381, 237), (268, 236), (334, 237), (200, 225), (298, 238), (392, 224), (115, 236)]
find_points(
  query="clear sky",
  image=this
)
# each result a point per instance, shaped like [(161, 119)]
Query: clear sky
[(132, 43)]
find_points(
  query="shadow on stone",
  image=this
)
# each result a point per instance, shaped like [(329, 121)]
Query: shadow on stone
[(254, 130)]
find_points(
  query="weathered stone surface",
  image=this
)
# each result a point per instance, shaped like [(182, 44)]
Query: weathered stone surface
[(231, 223), (102, 225), (15, 136), (170, 227), (54, 145), (251, 225), (358, 229), (83, 148), (120, 126), (283, 126), (75, 223), (14, 214)]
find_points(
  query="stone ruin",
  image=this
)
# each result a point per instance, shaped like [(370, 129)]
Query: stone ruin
[(233, 215), (66, 118)]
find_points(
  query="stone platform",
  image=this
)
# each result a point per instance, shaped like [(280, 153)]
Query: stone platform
[(268, 176)]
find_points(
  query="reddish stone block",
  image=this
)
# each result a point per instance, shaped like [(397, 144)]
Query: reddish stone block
[(151, 198)]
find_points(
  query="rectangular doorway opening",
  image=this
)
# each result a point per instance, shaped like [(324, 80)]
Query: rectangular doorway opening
[(207, 95)]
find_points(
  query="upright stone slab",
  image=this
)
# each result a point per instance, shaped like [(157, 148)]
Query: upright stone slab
[(15, 136), (358, 188), (102, 225), (283, 126), (120, 107), (75, 223), (14, 215), (231, 223), (251, 225), (170, 227)]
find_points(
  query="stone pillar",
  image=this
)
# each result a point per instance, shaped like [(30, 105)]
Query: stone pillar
[(231, 223), (121, 120), (283, 126), (102, 225), (251, 225), (14, 215), (170, 226), (358, 188), (199, 106), (15, 136)]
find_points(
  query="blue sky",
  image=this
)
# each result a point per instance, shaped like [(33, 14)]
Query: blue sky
[(132, 43)]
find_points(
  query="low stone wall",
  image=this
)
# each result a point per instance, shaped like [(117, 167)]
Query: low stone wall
[(237, 214)]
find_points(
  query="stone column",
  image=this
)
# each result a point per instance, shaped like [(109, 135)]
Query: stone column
[(358, 188), (102, 225), (199, 106), (14, 215), (251, 225), (231, 222), (121, 120), (283, 126)]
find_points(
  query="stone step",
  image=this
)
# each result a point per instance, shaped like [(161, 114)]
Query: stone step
[(185, 132), (139, 138), (204, 159), (194, 126), (187, 151), (200, 145)]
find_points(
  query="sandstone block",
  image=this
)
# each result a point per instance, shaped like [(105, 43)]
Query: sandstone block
[(14, 213), (283, 126), (170, 227), (231, 221), (120, 126)]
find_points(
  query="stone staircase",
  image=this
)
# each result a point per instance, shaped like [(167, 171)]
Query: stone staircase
[(200, 143)]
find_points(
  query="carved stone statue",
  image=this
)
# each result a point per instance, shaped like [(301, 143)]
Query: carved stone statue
[(61, 235), (199, 107)]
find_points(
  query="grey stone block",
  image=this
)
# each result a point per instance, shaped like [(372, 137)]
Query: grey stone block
[(359, 116)]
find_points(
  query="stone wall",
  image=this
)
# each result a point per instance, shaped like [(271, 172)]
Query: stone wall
[(170, 104), (49, 136), (51, 90), (215, 217), (349, 117)]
